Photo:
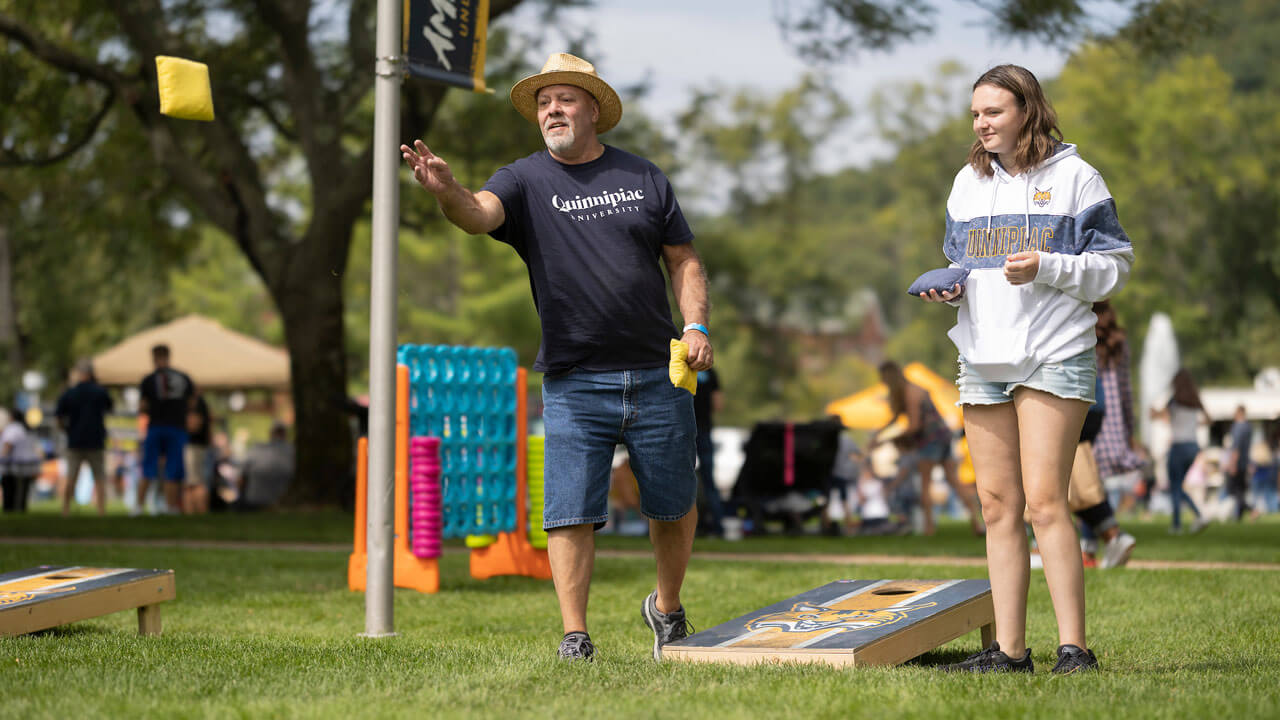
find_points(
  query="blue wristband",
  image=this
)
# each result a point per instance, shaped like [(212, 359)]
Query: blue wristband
[(699, 327)]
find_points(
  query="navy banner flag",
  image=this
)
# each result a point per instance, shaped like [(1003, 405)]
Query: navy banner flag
[(444, 41)]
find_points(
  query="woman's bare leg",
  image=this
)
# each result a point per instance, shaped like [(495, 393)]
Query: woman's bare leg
[(992, 431), (1049, 430), (967, 495), (925, 468)]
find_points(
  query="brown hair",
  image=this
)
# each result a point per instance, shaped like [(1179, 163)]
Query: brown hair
[(893, 378), (1112, 339), (1184, 390), (1039, 136)]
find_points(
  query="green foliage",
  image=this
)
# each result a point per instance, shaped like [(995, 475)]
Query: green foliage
[(775, 261), (1188, 156), (826, 31), (215, 280)]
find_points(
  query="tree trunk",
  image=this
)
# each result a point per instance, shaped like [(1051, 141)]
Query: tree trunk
[(10, 341), (311, 307)]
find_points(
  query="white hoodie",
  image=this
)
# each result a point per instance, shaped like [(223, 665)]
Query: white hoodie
[(1062, 209)]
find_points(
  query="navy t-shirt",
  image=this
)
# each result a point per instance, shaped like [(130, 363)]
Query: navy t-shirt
[(167, 392), (592, 236), (83, 410)]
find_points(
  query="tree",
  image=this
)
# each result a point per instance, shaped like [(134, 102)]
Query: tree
[(291, 90), (776, 265), (1199, 205), (833, 30)]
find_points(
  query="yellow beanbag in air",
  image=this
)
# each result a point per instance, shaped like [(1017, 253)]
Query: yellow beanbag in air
[(184, 88), (681, 375)]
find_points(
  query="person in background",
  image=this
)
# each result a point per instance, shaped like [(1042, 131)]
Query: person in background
[(20, 459), (1185, 413), (1237, 465), (168, 395), (224, 473), (267, 471), (928, 438), (1113, 444), (706, 402), (845, 474), (198, 485), (82, 411), (1266, 462)]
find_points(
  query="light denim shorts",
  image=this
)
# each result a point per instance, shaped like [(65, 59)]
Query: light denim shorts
[(1072, 379), (586, 415)]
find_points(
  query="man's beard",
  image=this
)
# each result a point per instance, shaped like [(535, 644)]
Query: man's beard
[(560, 143)]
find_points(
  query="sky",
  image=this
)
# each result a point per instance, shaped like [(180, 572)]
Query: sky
[(680, 45)]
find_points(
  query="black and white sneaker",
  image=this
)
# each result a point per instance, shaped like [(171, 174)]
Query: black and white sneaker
[(1072, 659), (993, 659), (666, 627), (577, 646)]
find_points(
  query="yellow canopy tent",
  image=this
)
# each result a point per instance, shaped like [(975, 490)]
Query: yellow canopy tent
[(869, 409)]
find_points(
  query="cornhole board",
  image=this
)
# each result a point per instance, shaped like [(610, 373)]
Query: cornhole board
[(849, 622), (47, 596)]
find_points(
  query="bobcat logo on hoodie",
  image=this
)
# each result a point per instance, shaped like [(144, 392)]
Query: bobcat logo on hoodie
[(1042, 197)]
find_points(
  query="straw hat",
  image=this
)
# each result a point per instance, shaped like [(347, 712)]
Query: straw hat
[(566, 69)]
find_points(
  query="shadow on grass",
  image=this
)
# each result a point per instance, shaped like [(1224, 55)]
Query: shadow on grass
[(936, 658), (72, 631)]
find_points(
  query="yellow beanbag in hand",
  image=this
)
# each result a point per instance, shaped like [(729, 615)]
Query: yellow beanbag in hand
[(681, 375), (184, 88)]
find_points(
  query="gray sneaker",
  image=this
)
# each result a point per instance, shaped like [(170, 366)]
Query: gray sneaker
[(666, 627), (1118, 550), (577, 646)]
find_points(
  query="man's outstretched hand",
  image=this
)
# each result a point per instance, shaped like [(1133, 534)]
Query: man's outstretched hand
[(431, 172)]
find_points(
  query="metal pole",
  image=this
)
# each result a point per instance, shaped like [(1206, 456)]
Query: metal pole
[(379, 612)]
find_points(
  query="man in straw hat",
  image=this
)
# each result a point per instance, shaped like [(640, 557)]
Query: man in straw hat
[(591, 222)]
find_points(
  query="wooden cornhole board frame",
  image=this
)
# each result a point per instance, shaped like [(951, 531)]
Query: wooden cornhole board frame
[(849, 622), (47, 596)]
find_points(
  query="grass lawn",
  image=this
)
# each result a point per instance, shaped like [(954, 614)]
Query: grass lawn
[(1257, 542), (272, 633), (319, 526)]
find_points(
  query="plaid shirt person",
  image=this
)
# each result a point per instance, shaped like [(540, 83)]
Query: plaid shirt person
[(1112, 447)]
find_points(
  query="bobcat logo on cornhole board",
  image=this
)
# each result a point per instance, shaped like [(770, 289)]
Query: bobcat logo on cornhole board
[(807, 618)]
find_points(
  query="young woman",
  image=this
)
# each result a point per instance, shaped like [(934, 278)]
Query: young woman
[(1037, 229), (1185, 414), (928, 438)]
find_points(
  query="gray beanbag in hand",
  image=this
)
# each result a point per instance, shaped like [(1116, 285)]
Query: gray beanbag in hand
[(940, 279)]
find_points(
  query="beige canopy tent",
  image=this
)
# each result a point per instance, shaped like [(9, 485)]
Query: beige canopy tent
[(212, 355)]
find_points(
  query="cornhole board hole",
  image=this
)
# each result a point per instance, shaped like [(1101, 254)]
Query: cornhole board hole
[(849, 622), (47, 596)]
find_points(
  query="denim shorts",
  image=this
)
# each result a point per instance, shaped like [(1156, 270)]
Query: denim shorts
[(1072, 379), (587, 414), (936, 451), (167, 441)]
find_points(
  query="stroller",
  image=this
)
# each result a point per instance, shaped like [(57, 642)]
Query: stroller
[(786, 474)]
